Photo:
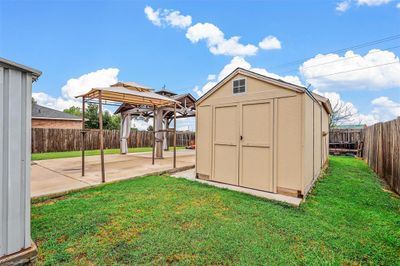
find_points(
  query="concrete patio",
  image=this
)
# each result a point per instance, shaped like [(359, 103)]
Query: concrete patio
[(56, 176), (61, 175)]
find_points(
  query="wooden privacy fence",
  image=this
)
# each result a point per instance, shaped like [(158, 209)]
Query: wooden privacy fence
[(344, 140), (382, 151), (54, 140)]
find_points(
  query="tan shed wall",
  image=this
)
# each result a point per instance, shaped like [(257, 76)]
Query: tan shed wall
[(203, 140), (289, 119), (317, 139), (325, 137), (296, 144), (49, 123), (308, 165)]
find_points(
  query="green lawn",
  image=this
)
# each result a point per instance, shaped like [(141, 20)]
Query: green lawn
[(69, 154), (347, 220)]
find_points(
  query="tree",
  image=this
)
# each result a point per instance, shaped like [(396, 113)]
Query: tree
[(110, 121), (91, 116), (73, 110), (341, 113), (33, 101)]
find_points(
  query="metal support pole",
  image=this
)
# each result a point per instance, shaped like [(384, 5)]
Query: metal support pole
[(83, 135), (154, 134), (175, 135), (103, 177)]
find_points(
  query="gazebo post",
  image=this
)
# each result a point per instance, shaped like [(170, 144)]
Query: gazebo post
[(103, 178), (154, 134), (174, 135), (83, 135)]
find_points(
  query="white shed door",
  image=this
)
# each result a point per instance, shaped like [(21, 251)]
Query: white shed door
[(256, 146), (225, 150)]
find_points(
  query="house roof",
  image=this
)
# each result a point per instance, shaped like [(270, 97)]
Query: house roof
[(181, 98), (42, 112), (10, 64), (166, 92), (277, 82)]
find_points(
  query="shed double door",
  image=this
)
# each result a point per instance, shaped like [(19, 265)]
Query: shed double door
[(242, 145)]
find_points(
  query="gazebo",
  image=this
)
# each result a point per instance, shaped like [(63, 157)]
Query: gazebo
[(164, 115), (127, 93)]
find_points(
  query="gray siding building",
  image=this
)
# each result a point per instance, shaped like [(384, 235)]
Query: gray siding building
[(15, 141)]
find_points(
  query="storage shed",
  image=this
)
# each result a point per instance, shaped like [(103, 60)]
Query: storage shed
[(15, 162), (262, 133)]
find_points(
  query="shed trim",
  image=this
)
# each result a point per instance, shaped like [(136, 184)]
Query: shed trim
[(283, 84), (252, 74)]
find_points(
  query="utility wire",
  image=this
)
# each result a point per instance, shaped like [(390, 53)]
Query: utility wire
[(355, 47), (352, 70), (342, 59)]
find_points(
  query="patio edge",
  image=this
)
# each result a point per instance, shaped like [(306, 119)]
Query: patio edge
[(63, 193)]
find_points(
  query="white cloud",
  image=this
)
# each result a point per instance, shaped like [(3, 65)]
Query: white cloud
[(372, 2), (141, 124), (318, 69), (99, 78), (270, 42), (236, 62), (386, 108), (342, 6), (175, 19), (346, 4), (164, 17), (57, 103), (153, 15), (398, 5), (357, 117), (216, 41), (208, 32), (77, 86), (211, 77)]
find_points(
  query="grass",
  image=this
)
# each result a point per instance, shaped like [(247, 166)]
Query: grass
[(70, 154), (347, 220)]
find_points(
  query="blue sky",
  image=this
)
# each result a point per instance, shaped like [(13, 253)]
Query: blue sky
[(68, 39)]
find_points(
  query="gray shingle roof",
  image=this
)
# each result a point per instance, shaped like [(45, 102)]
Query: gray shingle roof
[(39, 111)]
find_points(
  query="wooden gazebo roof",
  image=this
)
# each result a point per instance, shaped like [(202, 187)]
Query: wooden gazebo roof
[(125, 95)]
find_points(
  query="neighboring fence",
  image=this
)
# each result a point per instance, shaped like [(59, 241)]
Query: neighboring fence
[(53, 140), (342, 141), (382, 151)]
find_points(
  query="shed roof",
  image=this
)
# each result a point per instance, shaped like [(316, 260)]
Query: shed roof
[(10, 64), (325, 102), (42, 112), (277, 82), (127, 95)]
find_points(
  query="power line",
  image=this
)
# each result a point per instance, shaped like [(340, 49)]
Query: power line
[(352, 70), (342, 59), (355, 47)]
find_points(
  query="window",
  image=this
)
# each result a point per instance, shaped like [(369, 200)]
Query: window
[(239, 86)]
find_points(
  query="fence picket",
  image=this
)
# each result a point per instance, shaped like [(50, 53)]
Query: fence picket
[(382, 151), (55, 140)]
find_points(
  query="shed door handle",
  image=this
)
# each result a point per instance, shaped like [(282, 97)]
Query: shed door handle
[(241, 137)]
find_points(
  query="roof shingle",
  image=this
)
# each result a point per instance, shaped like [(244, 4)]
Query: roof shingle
[(39, 111)]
